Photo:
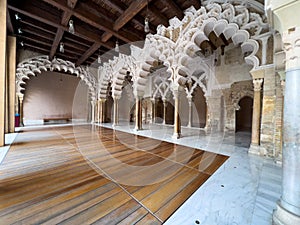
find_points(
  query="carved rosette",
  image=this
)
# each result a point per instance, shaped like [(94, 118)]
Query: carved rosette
[(291, 43), (257, 84)]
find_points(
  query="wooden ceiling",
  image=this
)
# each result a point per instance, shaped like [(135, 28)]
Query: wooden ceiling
[(43, 24)]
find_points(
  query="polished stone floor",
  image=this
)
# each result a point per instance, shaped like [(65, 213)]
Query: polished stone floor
[(243, 191)]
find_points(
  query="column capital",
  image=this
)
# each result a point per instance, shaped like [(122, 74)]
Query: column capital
[(257, 84), (102, 99), (291, 44)]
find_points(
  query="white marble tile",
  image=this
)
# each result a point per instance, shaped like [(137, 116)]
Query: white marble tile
[(243, 191)]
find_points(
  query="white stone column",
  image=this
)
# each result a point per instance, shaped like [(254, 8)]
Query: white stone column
[(93, 103), (165, 103), (177, 122), (190, 100), (153, 100), (102, 110), (116, 111), (288, 208), (3, 10), (255, 137)]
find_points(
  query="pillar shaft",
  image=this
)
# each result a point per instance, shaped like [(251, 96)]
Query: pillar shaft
[(102, 111), (138, 113), (21, 110), (254, 148), (288, 208), (190, 112), (11, 82), (116, 112), (153, 100), (93, 103), (177, 123), (165, 103), (3, 11)]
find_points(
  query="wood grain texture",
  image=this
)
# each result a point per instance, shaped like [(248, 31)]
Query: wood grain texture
[(51, 176)]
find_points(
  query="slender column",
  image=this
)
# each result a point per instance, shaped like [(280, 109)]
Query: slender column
[(254, 147), (153, 100), (93, 103), (138, 113), (11, 41), (21, 110), (165, 103), (116, 110), (288, 208), (177, 123), (3, 10), (102, 110), (190, 111)]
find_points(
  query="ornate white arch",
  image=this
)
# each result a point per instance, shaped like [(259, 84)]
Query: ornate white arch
[(35, 65), (177, 44)]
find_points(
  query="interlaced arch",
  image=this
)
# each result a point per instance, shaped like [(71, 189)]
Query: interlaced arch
[(35, 65)]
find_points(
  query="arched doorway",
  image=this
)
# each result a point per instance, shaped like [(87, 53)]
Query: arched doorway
[(243, 119)]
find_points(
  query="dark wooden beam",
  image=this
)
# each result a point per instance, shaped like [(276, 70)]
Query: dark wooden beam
[(87, 54), (120, 7), (56, 42), (134, 8), (175, 8), (38, 25), (9, 25), (155, 13), (80, 31), (38, 33), (38, 40), (86, 17), (60, 32)]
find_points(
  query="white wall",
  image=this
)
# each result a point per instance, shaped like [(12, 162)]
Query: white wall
[(51, 94)]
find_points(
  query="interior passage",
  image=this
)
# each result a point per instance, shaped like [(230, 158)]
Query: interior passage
[(87, 174)]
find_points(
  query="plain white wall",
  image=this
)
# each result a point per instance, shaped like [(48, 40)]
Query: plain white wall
[(51, 94)]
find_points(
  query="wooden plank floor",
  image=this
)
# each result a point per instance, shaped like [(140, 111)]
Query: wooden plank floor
[(94, 175)]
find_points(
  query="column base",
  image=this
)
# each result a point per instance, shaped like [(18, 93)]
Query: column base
[(254, 149), (114, 125), (176, 135), (284, 217), (137, 129)]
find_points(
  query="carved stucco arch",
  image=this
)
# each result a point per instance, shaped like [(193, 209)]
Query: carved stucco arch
[(179, 42), (35, 65)]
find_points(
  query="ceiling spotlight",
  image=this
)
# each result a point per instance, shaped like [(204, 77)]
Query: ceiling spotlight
[(71, 27), (61, 47), (17, 16), (146, 28), (20, 31), (117, 49), (22, 43)]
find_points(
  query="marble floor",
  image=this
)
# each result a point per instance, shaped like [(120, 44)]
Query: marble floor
[(243, 191)]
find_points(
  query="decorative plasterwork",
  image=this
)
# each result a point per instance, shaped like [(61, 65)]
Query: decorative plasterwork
[(35, 65), (179, 43)]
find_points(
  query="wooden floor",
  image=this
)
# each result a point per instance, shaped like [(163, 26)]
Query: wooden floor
[(94, 175)]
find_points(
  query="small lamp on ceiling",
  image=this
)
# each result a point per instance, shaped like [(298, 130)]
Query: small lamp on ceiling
[(146, 27), (22, 43), (99, 58), (71, 27), (117, 49), (61, 47), (17, 17), (20, 31)]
